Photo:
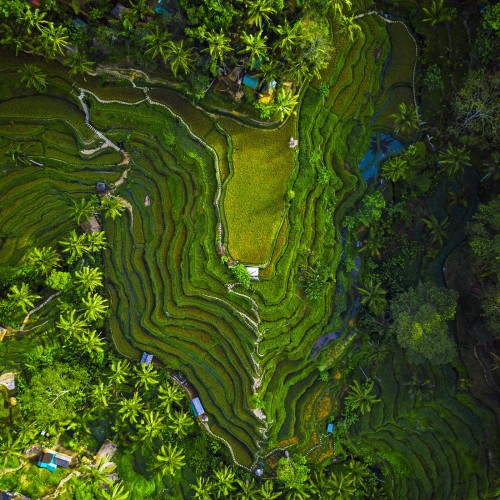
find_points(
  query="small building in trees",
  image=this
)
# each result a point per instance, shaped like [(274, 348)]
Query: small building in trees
[(251, 81), (146, 358), (8, 380), (50, 460), (100, 188), (253, 272), (330, 428), (91, 225), (106, 451), (118, 10), (197, 407)]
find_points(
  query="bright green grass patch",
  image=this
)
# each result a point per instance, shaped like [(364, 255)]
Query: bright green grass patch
[(254, 194)]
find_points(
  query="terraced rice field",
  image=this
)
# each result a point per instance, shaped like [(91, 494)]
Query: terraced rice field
[(171, 296)]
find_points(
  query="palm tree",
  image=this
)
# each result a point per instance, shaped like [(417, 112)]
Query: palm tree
[(358, 472), (88, 278), (146, 376), (21, 297), (259, 11), (405, 120), (255, 47), (131, 408), (157, 43), (203, 489), (349, 25), (284, 103), (100, 394), (9, 448), (373, 296), (341, 486), (338, 6), (115, 492), (72, 324), (267, 492), (95, 306), (84, 209), (218, 46), (360, 397), (96, 241), (75, 245), (17, 153), (248, 489), (375, 242), (298, 70), (151, 426), (169, 460), (168, 394), (78, 63), (113, 206), (224, 483), (44, 259), (180, 423), (180, 57), (33, 19), (288, 38), (437, 229), (458, 197), (453, 160), (395, 168), (53, 40), (120, 371), (138, 11), (33, 76), (436, 13), (92, 344)]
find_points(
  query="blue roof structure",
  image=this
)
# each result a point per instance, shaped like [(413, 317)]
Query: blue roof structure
[(47, 461), (330, 428), (251, 81), (197, 407)]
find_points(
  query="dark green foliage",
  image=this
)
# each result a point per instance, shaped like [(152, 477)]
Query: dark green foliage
[(420, 318)]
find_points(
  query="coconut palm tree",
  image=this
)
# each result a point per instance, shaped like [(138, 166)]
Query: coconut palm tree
[(100, 394), (266, 491), (96, 241), (180, 57), (298, 70), (349, 25), (373, 296), (130, 408), (453, 160), (255, 47), (405, 120), (139, 11), (168, 394), (146, 376), (21, 297), (169, 460), (360, 397), (17, 154), (259, 11), (94, 306), (224, 481), (75, 245), (395, 168), (284, 103), (84, 209), (72, 324), (437, 229), (88, 278), (91, 343), (120, 371), (338, 6), (247, 489), (180, 423), (33, 77), (115, 492), (289, 37), (436, 13), (33, 19), (151, 426), (375, 242), (43, 259), (341, 486), (203, 489), (10, 448), (458, 197), (78, 63), (157, 43), (113, 206), (219, 45), (53, 40)]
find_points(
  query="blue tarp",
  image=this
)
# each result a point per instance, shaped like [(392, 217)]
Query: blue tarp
[(251, 81)]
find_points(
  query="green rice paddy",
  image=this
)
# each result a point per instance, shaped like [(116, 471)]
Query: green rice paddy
[(169, 293)]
